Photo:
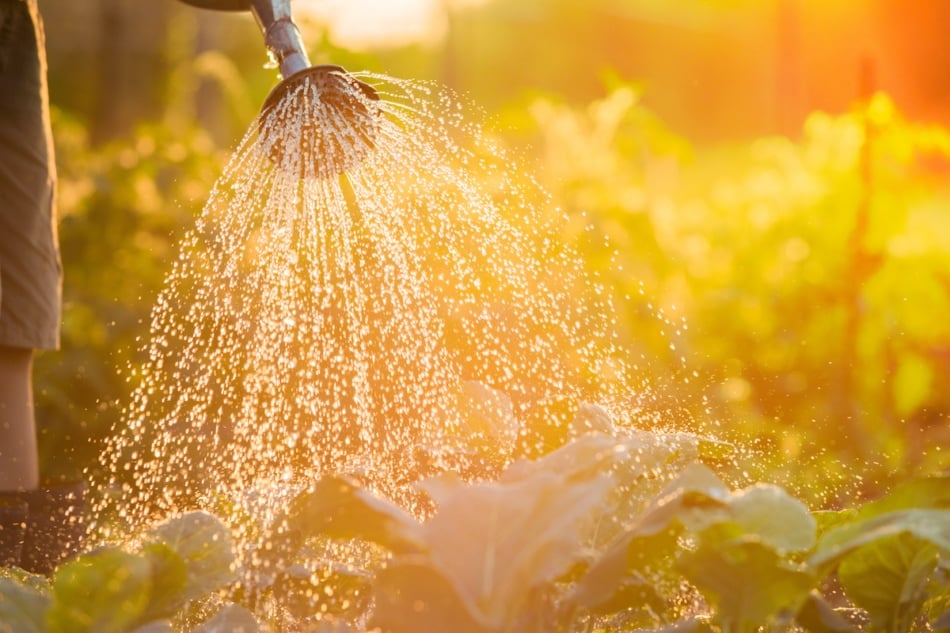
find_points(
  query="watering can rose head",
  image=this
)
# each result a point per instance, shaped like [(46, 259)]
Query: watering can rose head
[(318, 121)]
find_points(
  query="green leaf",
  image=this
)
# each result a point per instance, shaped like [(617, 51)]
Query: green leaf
[(749, 583), (203, 543), (23, 577), (632, 593), (690, 625), (169, 580), (639, 462), (774, 516), (916, 494), (763, 511), (889, 577), (698, 500), (158, 626), (886, 561), (937, 606), (105, 591), (232, 618), (413, 597), (695, 495), (817, 616), (339, 508), (603, 589), (826, 520), (22, 607), (929, 525), (650, 542), (497, 542), (581, 459), (644, 454), (330, 589), (714, 451)]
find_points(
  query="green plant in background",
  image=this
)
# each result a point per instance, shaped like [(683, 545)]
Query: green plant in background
[(777, 286), (123, 207)]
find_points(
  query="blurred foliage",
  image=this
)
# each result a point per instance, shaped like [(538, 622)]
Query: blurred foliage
[(123, 208), (786, 294), (789, 291)]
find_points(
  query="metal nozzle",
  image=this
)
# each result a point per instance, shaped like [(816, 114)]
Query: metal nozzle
[(276, 22), (348, 100), (281, 35)]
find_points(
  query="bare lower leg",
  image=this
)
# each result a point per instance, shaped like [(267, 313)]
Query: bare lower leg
[(19, 464)]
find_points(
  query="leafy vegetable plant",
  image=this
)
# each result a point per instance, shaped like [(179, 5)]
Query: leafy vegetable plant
[(611, 532)]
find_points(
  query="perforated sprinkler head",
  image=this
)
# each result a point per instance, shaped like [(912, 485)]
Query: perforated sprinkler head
[(319, 120)]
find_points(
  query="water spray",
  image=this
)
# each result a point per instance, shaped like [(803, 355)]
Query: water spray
[(346, 105)]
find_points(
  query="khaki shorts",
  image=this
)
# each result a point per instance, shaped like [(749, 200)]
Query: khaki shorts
[(30, 269)]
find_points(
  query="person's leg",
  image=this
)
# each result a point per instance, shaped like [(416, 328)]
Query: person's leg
[(19, 467), (40, 523), (30, 271)]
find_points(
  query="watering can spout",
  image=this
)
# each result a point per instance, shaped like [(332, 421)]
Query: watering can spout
[(281, 36), (349, 101)]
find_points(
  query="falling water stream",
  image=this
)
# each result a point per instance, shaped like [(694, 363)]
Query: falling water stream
[(343, 279)]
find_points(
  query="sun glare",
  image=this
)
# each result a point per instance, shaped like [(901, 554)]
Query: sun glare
[(374, 23)]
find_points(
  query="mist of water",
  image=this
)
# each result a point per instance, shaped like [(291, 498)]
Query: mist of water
[(346, 274)]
